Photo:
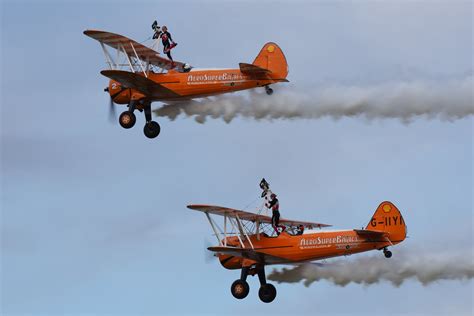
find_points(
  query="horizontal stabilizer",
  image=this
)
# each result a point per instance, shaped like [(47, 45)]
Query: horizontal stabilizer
[(250, 69), (138, 82), (371, 233)]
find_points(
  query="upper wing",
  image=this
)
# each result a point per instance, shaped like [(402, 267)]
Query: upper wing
[(130, 47), (252, 254), (140, 83), (247, 216)]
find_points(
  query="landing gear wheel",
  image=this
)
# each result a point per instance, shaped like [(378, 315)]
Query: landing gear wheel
[(151, 129), (127, 119), (240, 289), (267, 293), (268, 90), (387, 254)]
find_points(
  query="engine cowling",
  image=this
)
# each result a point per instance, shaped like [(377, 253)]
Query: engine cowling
[(230, 262), (119, 94)]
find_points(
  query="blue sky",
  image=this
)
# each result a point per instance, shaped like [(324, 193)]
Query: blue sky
[(93, 216)]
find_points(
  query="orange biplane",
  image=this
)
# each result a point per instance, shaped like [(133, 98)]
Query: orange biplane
[(150, 77), (248, 242)]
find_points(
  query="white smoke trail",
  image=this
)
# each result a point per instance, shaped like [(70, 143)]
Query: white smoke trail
[(373, 269), (448, 100)]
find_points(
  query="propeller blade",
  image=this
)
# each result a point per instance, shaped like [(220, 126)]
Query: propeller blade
[(112, 115)]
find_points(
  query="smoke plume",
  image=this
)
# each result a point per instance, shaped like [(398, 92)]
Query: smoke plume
[(370, 270), (447, 100)]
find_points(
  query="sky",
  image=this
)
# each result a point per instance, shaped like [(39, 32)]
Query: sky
[(94, 218)]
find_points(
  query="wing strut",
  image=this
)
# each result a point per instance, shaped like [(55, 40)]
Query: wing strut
[(110, 60), (238, 236), (242, 230), (214, 228), (128, 58), (225, 230), (138, 59)]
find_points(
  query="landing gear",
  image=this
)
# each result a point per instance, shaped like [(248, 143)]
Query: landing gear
[(127, 119), (240, 288), (151, 129), (387, 253), (267, 293), (268, 90)]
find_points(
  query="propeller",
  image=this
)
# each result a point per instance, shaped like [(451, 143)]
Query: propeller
[(112, 115)]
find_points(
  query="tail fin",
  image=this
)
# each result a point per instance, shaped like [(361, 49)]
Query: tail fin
[(387, 218), (271, 57)]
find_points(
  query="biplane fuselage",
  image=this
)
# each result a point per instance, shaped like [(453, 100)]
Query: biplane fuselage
[(288, 248), (193, 84)]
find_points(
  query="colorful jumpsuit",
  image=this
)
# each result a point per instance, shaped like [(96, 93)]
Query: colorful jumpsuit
[(165, 39)]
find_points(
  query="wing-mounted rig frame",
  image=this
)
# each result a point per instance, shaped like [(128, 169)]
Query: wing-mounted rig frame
[(132, 55), (243, 225), (124, 61)]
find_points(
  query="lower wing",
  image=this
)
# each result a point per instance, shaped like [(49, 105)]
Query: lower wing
[(252, 254), (140, 83)]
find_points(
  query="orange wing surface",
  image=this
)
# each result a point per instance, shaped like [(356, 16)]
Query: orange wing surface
[(133, 48), (248, 216), (252, 254), (140, 83)]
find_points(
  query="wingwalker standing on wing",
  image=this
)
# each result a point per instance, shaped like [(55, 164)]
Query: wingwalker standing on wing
[(166, 39), (167, 46), (272, 203)]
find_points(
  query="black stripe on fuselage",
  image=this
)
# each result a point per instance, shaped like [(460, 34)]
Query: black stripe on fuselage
[(223, 262)]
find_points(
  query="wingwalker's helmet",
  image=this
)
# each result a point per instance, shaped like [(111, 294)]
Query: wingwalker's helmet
[(264, 184)]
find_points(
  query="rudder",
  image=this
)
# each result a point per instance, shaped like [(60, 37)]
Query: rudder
[(387, 218), (271, 57)]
